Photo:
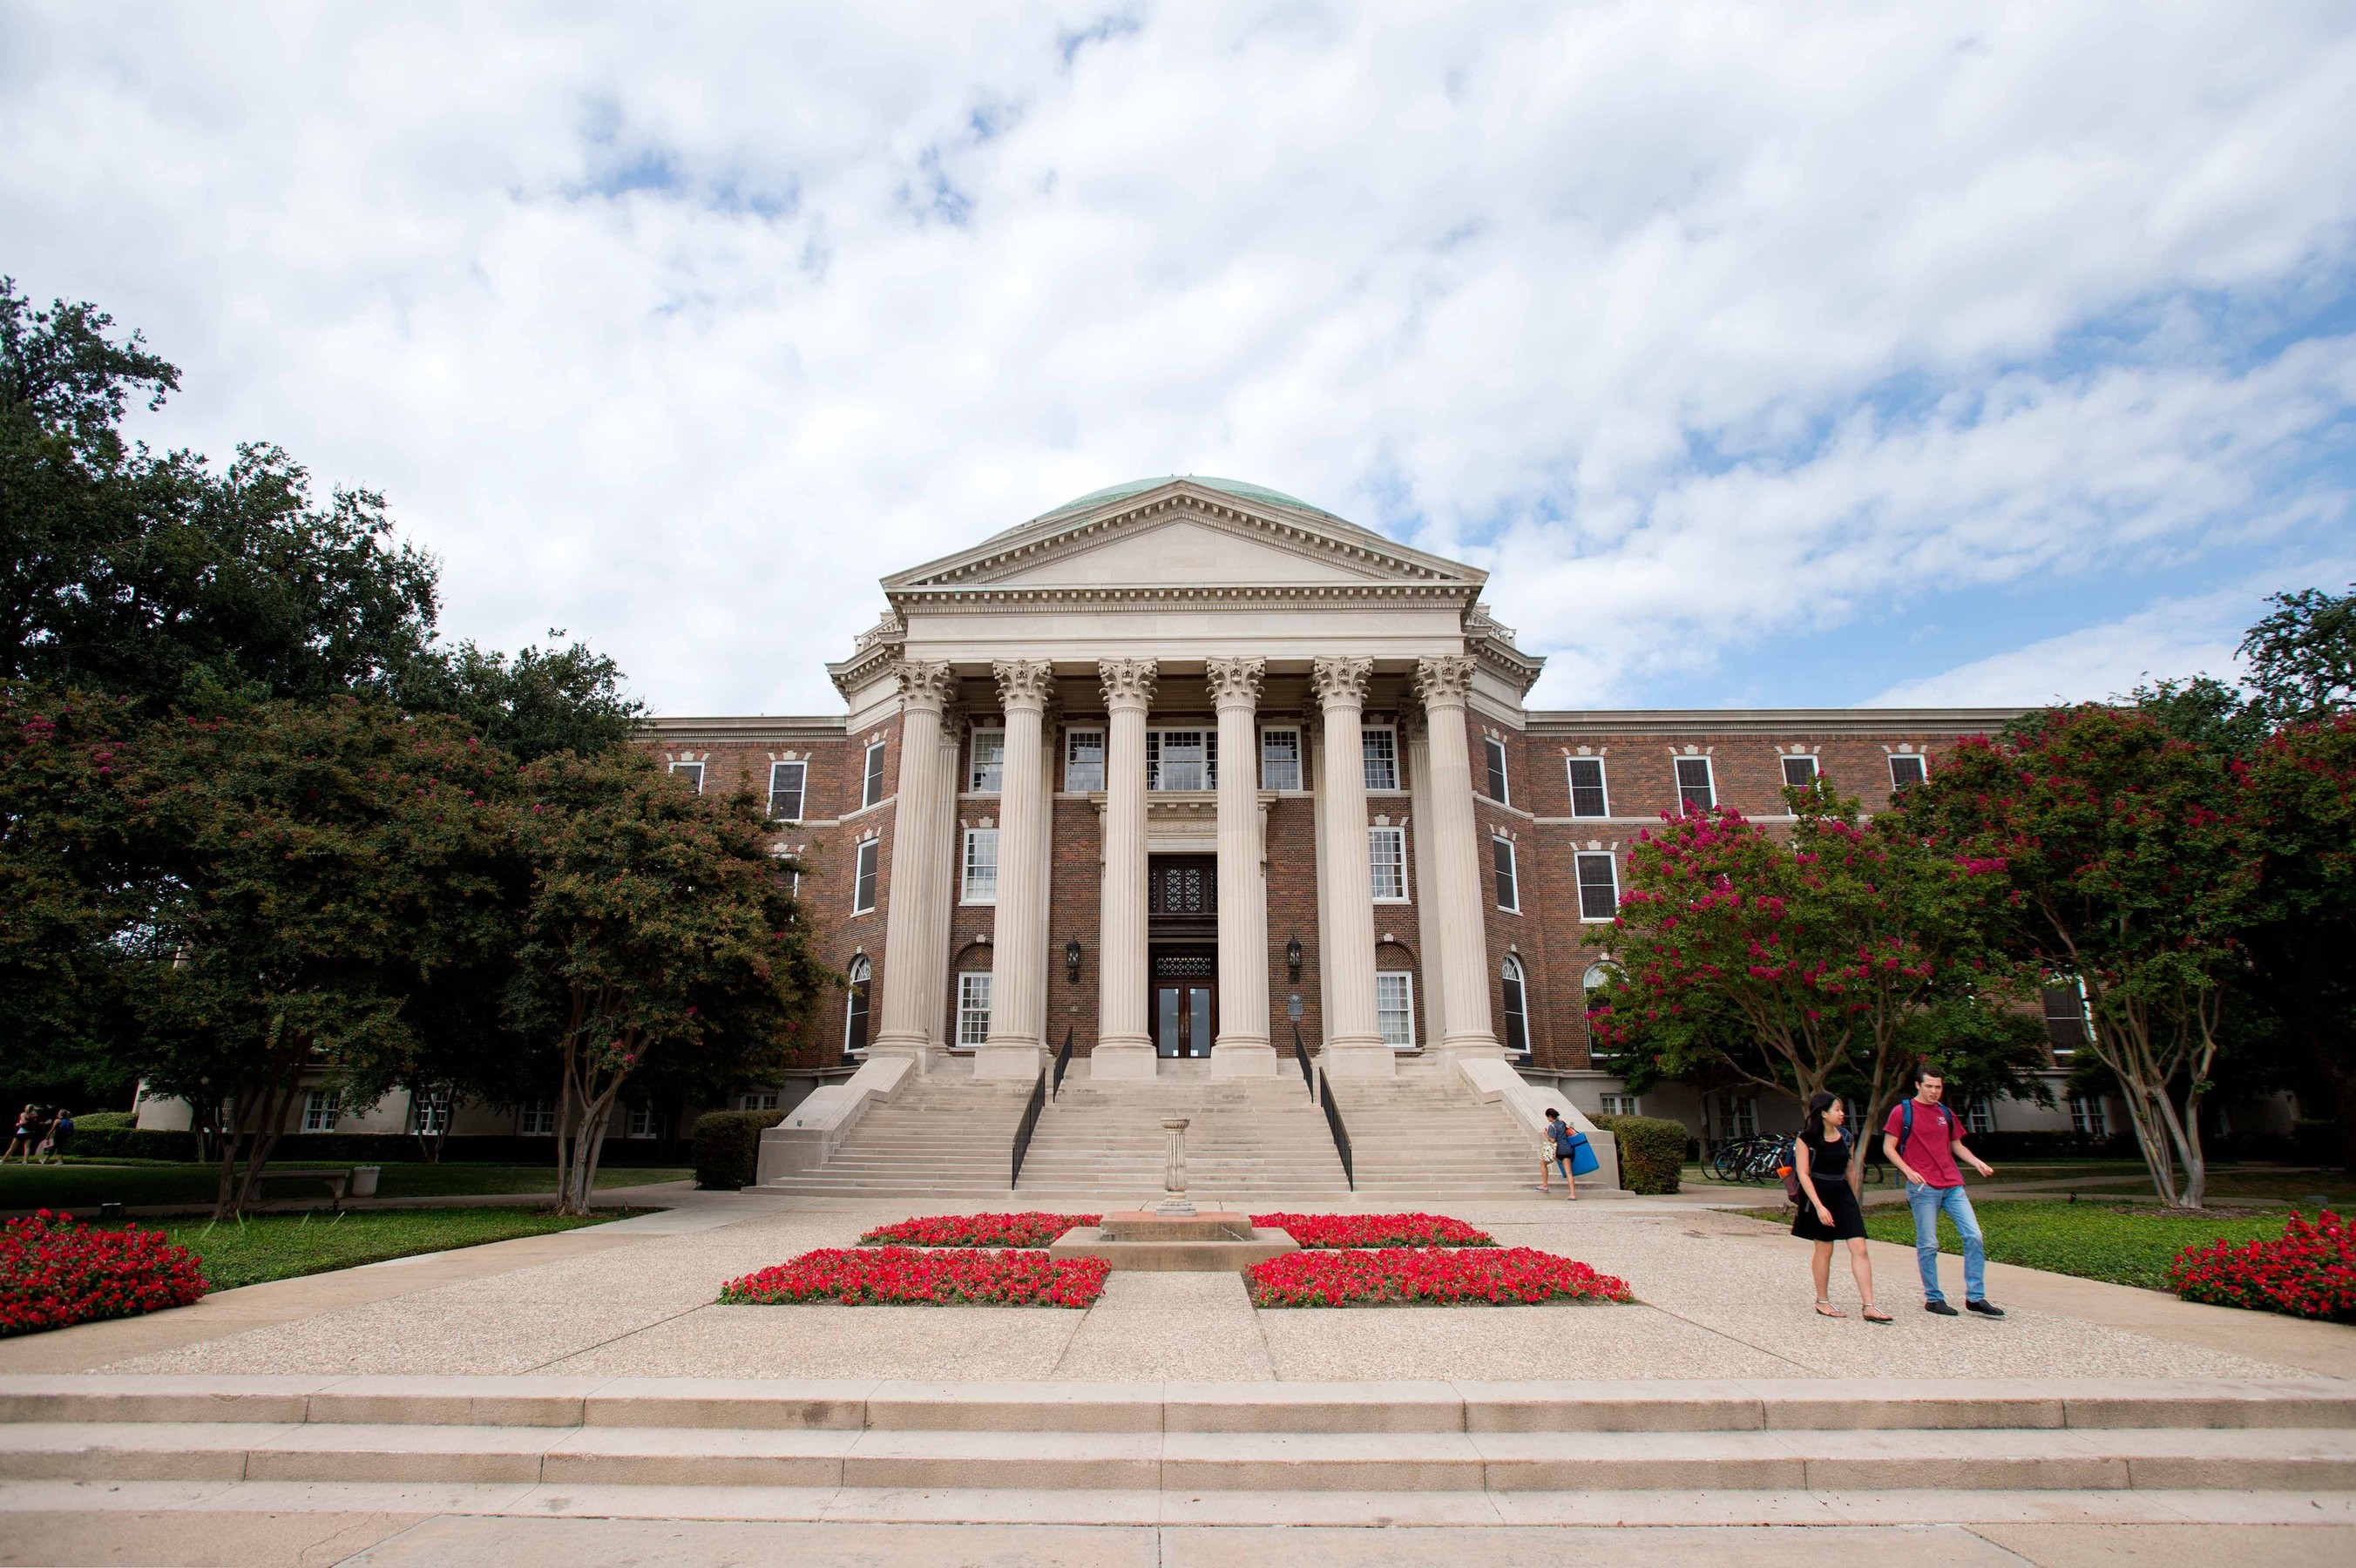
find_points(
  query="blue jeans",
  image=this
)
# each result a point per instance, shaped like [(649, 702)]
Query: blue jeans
[(1928, 1203)]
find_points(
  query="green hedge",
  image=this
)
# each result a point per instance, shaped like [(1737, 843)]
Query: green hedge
[(378, 1148), (1652, 1150), (728, 1148)]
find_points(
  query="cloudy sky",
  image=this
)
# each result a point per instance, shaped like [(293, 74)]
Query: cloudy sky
[(1813, 355)]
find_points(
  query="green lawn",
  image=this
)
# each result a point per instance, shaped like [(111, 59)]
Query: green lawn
[(281, 1246), (2091, 1241), (85, 1186)]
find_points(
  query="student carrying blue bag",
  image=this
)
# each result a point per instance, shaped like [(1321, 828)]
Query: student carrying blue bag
[(1568, 1148)]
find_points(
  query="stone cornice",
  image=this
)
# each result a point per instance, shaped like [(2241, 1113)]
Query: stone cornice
[(1014, 600), (731, 730), (1773, 722)]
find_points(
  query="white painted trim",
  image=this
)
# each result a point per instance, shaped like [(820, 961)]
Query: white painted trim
[(1604, 774)]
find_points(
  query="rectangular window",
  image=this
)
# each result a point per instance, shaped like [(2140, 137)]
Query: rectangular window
[(1083, 760), (1587, 794), (429, 1114), (689, 774), (1387, 857), (872, 790), (1516, 994), (987, 774), (1180, 760), (1741, 1113), (320, 1108), (1493, 752), (761, 1100), (1979, 1115), (981, 883), (973, 1008), (1381, 748), (863, 878), (1599, 886), (1509, 885), (1395, 1010), (643, 1122), (1623, 1105), (785, 780), (1799, 773), (537, 1119), (1695, 792), (2088, 1118), (1280, 759), (2065, 1016), (1905, 768)]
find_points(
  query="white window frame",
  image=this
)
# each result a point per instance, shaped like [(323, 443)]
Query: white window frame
[(1815, 768), (1921, 768), (1072, 738), (757, 1100), (1404, 982), (859, 972), (429, 1114), (1512, 870), (985, 777), (1514, 981), (321, 1107), (801, 790), (1493, 752), (641, 1121), (1209, 737), (2089, 1117), (1739, 1115), (1377, 860), (1580, 884), (691, 772), (871, 776), (2084, 1020), (973, 1007), (866, 867), (537, 1118), (1979, 1116), (978, 883), (1596, 976), (1623, 1105), (1709, 781), (1389, 756), (1298, 762), (1602, 783)]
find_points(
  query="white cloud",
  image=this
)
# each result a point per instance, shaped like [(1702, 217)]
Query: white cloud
[(2170, 640), (1607, 297)]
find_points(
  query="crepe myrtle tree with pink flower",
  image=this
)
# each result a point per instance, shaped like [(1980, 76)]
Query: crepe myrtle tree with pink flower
[(1832, 958), (659, 936)]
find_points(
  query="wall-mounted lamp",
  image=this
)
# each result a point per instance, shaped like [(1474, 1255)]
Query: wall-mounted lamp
[(1072, 960), (1292, 956)]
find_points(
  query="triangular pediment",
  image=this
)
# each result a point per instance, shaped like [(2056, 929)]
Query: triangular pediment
[(1178, 535)]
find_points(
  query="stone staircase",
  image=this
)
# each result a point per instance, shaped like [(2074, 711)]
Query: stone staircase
[(1249, 1141), (946, 1135), (603, 1444), (1418, 1135)]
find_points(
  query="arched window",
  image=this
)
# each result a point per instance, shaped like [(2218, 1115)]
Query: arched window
[(854, 1020), (1517, 1008), (1598, 975)]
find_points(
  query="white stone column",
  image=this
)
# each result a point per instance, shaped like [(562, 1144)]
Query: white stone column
[(1242, 1050), (919, 853), (1018, 967), (1444, 684), (1353, 1042), (1124, 1047), (940, 895)]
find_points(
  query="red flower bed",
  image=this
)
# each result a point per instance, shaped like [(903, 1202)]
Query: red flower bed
[(1376, 1230), (1028, 1230), (916, 1276), (2309, 1272), (1498, 1277), (54, 1273)]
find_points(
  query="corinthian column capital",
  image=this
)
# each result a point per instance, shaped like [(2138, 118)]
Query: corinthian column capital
[(1444, 682), (1128, 683), (1341, 682), (1025, 683), (1235, 682), (924, 683)]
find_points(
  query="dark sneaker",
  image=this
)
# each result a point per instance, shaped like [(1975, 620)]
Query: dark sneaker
[(1985, 1309), (1940, 1307)]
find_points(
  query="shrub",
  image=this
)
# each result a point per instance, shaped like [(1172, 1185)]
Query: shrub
[(1500, 1276), (920, 1276), (106, 1122), (1324, 1231), (1027, 1230), (1651, 1151), (728, 1148), (2309, 1271), (54, 1273)]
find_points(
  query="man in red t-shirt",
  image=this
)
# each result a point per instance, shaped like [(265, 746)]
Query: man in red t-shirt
[(1923, 1140)]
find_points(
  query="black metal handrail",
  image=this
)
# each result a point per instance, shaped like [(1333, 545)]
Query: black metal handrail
[(1321, 1087), (1301, 1054), (1022, 1129), (1062, 1064)]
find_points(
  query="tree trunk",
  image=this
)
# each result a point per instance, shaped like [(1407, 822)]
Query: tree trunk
[(578, 1178)]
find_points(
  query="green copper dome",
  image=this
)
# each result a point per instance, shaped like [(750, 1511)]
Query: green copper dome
[(1236, 487)]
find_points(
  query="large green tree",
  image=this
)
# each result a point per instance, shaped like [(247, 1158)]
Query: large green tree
[(659, 938)]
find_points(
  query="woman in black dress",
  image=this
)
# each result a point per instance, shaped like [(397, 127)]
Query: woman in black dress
[(1828, 1208)]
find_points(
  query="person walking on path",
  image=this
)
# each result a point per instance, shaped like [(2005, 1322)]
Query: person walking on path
[(1551, 1155), (27, 1135), (1923, 1139), (60, 1133), (1565, 1144), (1828, 1208)]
